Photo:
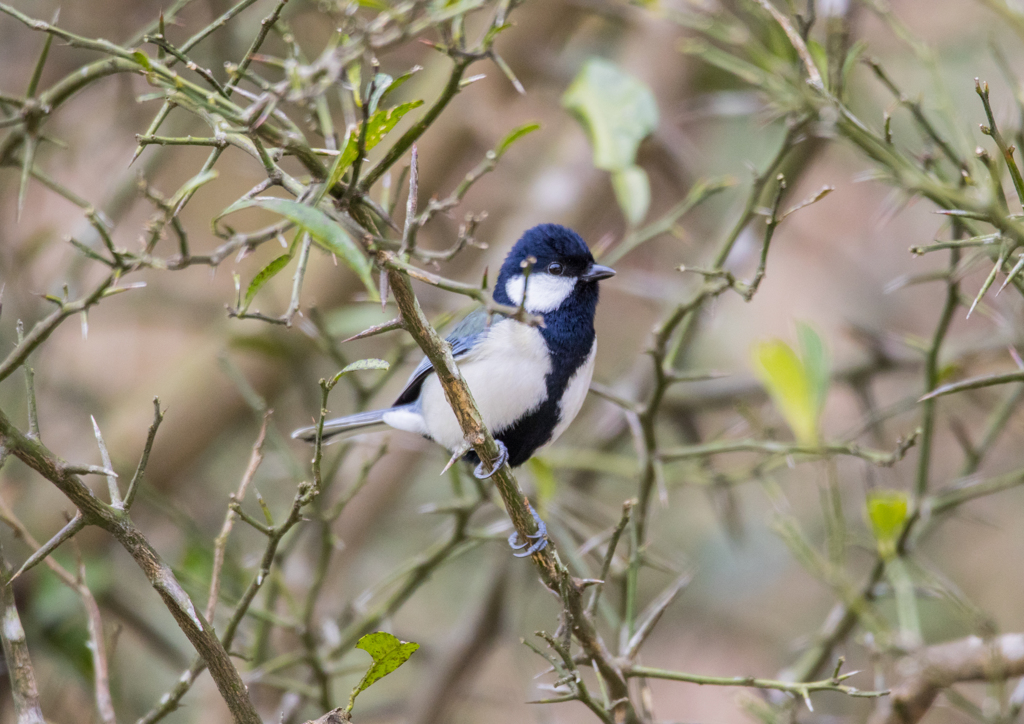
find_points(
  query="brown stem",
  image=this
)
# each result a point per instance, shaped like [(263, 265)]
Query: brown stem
[(555, 576), (38, 457), (938, 667), (19, 664)]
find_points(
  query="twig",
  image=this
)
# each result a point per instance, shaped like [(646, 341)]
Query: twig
[(220, 543), (803, 690), (606, 564), (875, 457), (66, 533), (30, 387), (938, 667), (140, 470)]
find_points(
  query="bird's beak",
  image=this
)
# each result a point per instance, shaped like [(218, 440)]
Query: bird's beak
[(596, 272)]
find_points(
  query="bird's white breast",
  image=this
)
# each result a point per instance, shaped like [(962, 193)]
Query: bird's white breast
[(505, 372), (575, 393)]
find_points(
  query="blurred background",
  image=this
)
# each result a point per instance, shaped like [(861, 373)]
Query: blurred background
[(750, 608)]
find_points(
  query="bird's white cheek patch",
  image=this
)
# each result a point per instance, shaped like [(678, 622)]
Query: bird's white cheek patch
[(544, 292)]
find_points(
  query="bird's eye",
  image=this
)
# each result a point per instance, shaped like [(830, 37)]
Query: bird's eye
[(555, 268)]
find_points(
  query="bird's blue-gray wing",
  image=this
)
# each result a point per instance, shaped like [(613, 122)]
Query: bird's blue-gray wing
[(462, 339)]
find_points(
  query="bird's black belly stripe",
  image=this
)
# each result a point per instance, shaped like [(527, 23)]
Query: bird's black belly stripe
[(569, 335)]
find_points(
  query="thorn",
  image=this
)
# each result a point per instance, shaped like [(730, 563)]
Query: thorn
[(28, 157), (1013, 272), (456, 456)]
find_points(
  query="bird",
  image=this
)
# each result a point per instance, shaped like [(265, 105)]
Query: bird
[(529, 382)]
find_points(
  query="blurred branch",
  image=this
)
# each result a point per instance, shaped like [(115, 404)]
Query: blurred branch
[(220, 543), (875, 457), (803, 690), (42, 329), (19, 664), (938, 667)]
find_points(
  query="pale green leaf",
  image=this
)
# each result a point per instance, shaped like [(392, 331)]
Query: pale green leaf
[(192, 185), (514, 136), (633, 192), (326, 232), (617, 111), (786, 380), (816, 364), (266, 274), (381, 83), (363, 364), (398, 82), (388, 654), (887, 513)]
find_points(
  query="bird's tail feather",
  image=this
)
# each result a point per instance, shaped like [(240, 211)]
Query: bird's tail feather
[(343, 427)]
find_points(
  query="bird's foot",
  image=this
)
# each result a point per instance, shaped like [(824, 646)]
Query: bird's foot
[(539, 539), (479, 472)]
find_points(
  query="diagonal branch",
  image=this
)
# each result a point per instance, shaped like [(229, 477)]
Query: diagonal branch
[(38, 457), (940, 666), (554, 574)]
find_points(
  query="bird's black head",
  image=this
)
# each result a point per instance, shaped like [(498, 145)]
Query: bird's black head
[(561, 267)]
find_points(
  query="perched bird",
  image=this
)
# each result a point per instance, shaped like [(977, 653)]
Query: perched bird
[(528, 382)]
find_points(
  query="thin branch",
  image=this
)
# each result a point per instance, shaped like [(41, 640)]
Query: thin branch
[(66, 533), (803, 690), (609, 555), (875, 457), (220, 543), (937, 667), (140, 470)]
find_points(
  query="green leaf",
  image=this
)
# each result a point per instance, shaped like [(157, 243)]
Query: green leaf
[(363, 364), (887, 513), (381, 82), (819, 56), (816, 365), (142, 59), (325, 232), (388, 654), (787, 382), (381, 123), (398, 82), (850, 62), (514, 136), (266, 274), (192, 185), (617, 111), (633, 192)]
